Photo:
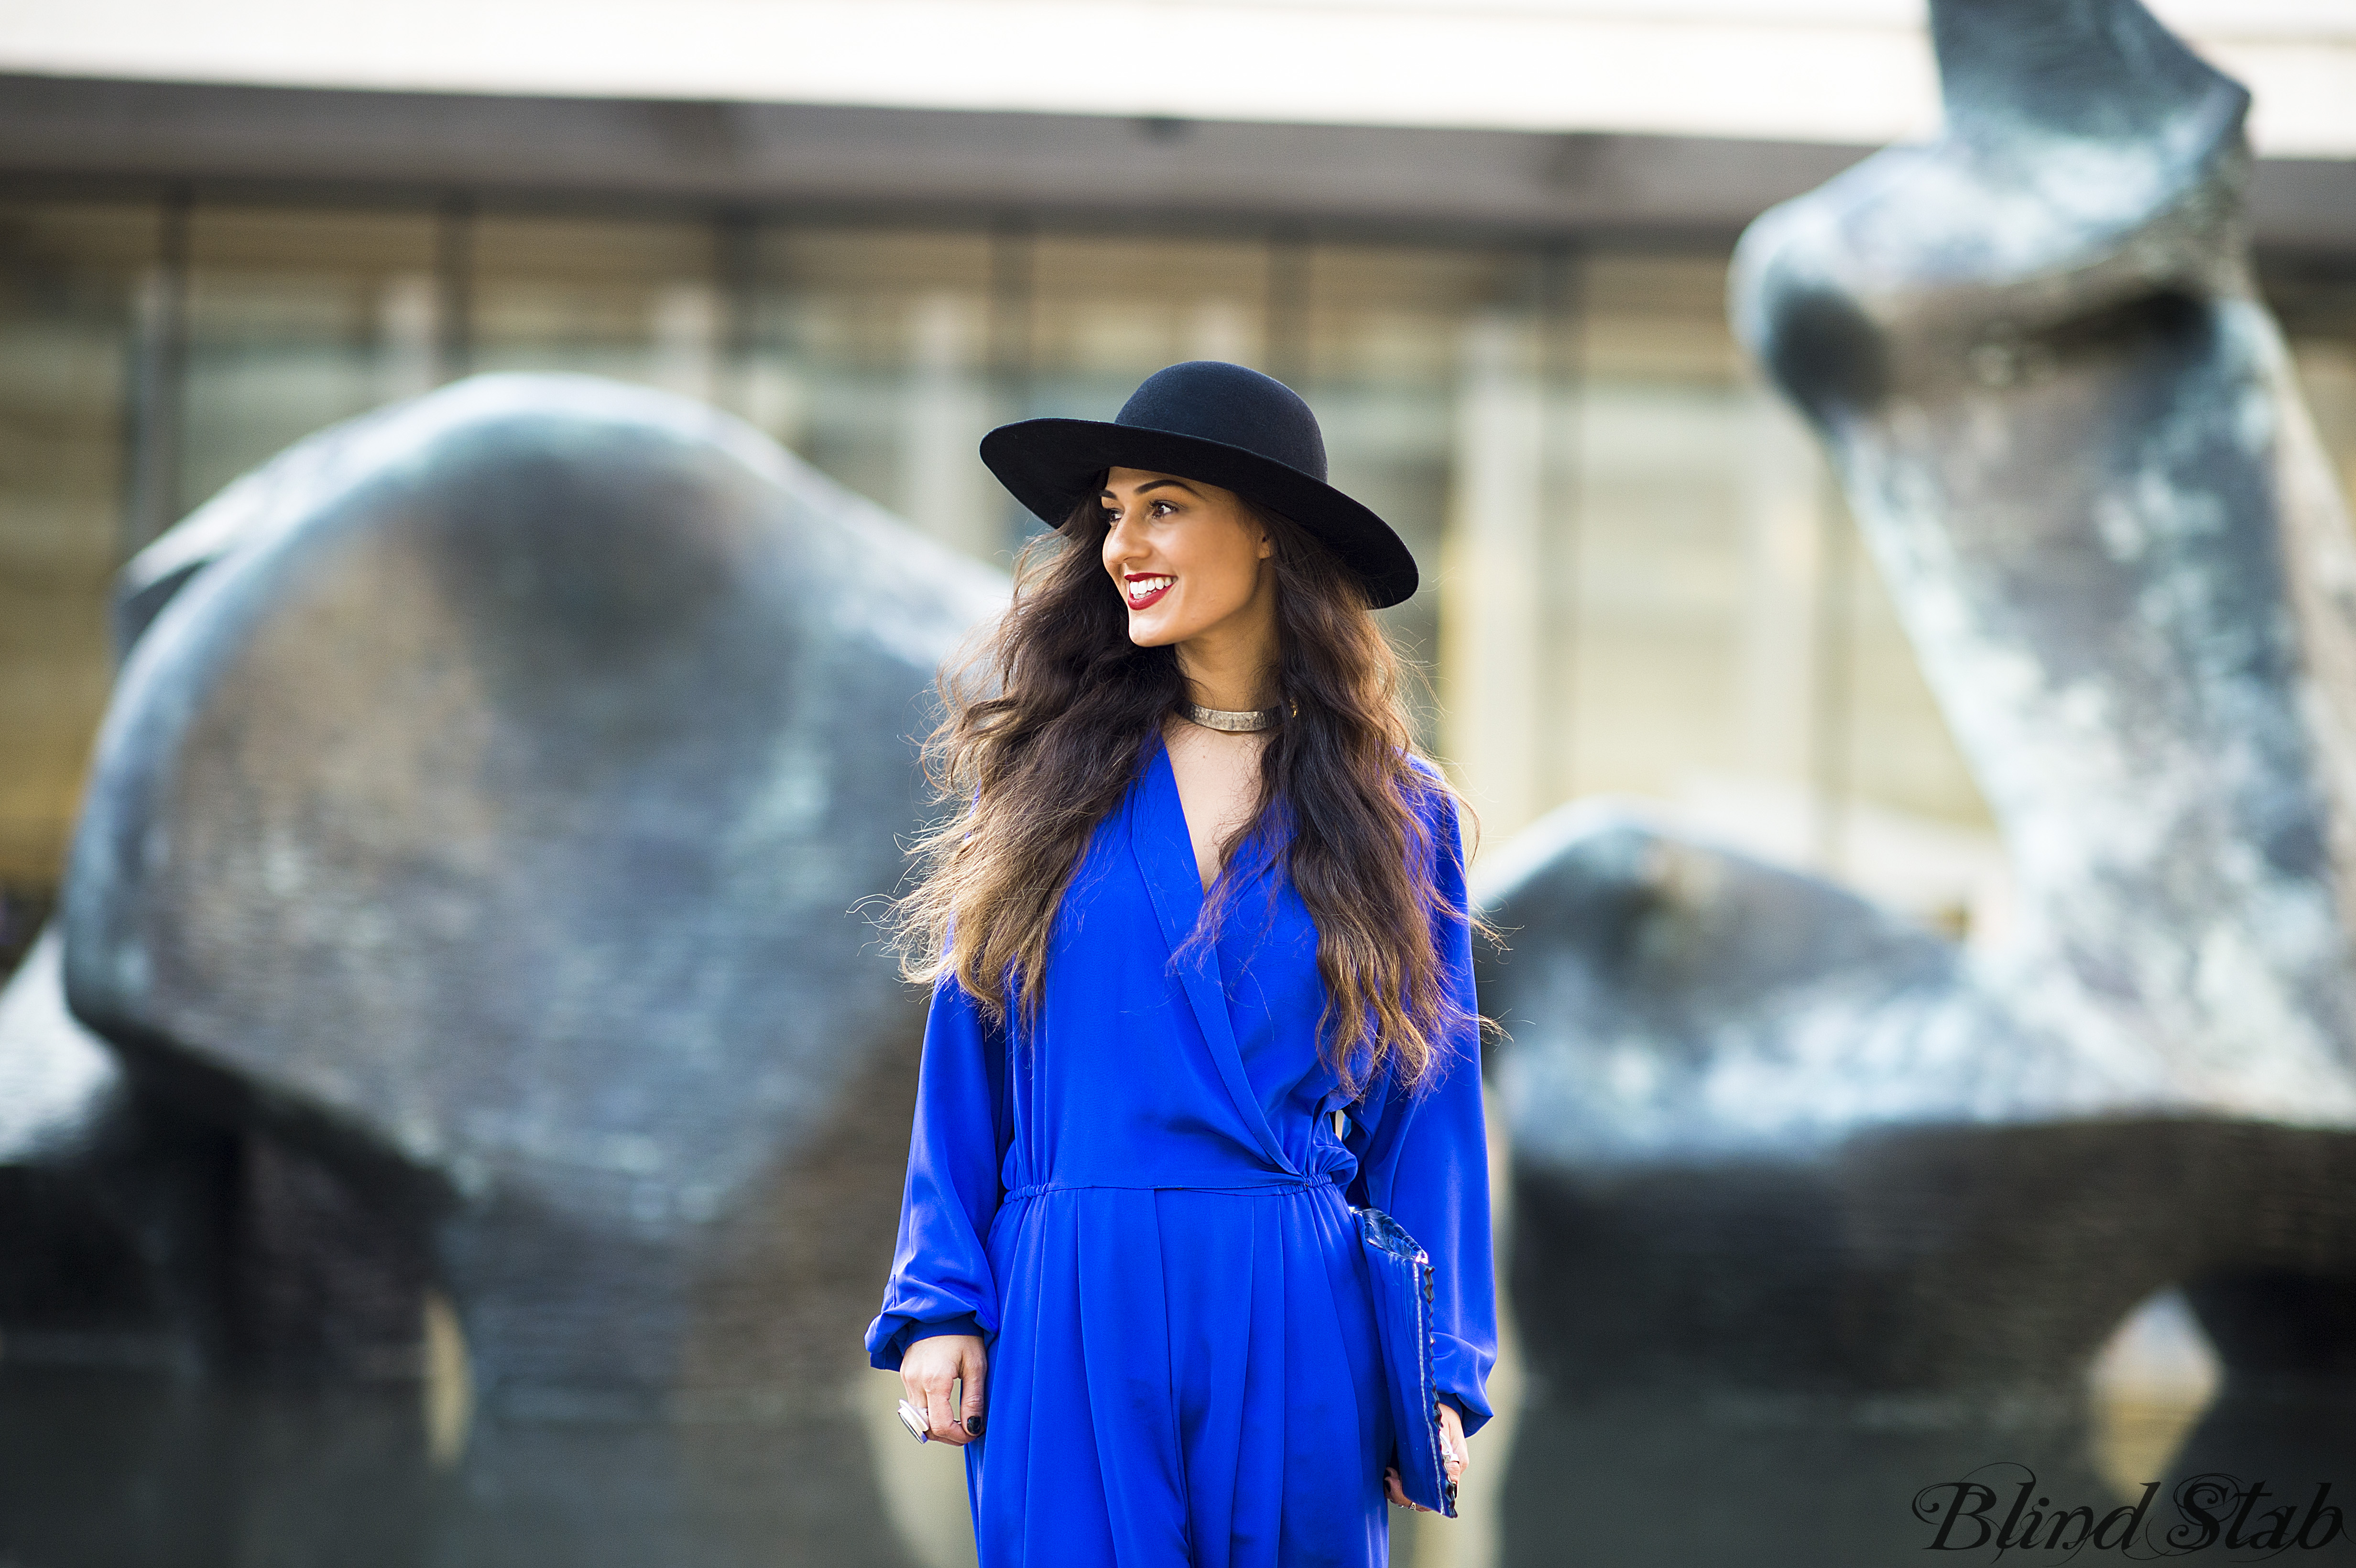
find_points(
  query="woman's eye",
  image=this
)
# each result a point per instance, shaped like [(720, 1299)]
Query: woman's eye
[(1162, 506)]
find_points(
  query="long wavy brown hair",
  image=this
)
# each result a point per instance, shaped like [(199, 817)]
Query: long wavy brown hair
[(1045, 725)]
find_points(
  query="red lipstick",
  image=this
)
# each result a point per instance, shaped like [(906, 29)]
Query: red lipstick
[(1145, 601)]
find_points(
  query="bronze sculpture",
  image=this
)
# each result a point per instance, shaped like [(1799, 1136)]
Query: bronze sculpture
[(1813, 1208)]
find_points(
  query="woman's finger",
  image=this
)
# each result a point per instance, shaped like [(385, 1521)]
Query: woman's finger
[(1391, 1486), (1455, 1453), (972, 1370), (940, 1414)]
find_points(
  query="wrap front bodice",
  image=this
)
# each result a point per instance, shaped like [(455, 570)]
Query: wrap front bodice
[(1140, 1198)]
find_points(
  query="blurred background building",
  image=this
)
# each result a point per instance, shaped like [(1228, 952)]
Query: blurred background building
[(1488, 240)]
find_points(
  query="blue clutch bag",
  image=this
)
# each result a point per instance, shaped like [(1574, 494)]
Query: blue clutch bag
[(1401, 1273)]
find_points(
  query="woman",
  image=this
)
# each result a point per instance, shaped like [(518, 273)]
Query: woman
[(1201, 970)]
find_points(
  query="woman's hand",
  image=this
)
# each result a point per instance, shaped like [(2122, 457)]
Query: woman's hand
[(1451, 1443), (928, 1370)]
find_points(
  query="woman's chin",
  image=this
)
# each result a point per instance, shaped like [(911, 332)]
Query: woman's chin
[(1148, 630)]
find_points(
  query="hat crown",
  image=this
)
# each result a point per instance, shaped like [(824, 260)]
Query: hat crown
[(1234, 405)]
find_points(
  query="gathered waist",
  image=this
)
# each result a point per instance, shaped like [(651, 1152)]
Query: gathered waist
[(1272, 1183)]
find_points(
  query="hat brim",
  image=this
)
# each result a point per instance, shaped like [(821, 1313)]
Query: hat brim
[(1051, 465)]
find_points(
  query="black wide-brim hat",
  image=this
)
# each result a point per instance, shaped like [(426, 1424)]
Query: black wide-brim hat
[(1220, 424)]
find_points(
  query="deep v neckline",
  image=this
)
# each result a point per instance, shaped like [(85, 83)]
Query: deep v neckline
[(1166, 861), (1186, 825), (1251, 845)]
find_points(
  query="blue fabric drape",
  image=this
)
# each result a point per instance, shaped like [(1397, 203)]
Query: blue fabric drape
[(1142, 1203)]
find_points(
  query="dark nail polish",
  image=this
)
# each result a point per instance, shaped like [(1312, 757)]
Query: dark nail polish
[(973, 1424)]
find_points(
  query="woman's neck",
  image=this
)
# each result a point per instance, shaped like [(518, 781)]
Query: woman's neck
[(1233, 683), (1232, 665)]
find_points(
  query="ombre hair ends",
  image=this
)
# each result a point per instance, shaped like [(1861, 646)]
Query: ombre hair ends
[(1045, 725)]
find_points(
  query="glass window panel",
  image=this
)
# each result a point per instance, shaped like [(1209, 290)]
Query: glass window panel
[(1683, 606), (297, 319), (1730, 649), (635, 301), (1898, 751), (2327, 373), (1106, 312), (1384, 345), (2315, 298), (68, 273), (1660, 579), (871, 357)]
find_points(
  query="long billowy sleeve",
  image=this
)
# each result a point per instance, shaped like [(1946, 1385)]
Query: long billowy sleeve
[(941, 1281), (1423, 1156)]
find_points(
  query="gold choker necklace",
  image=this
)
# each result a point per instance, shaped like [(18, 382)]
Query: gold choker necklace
[(1232, 722)]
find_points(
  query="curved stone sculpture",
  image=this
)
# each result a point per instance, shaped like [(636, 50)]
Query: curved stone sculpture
[(1813, 1209), (476, 831), (72, 1286), (59, 1083), (107, 1254)]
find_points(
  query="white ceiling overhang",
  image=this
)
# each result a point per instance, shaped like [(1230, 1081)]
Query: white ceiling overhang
[(1851, 72)]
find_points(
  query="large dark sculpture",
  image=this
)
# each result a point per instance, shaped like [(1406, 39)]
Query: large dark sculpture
[(64, 1111), (1814, 1210), (471, 847)]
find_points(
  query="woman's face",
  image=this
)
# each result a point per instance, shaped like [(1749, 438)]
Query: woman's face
[(1185, 556)]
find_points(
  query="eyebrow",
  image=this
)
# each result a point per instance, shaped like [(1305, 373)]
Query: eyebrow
[(1155, 485)]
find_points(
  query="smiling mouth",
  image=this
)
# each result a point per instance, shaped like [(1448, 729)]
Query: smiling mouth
[(1145, 588)]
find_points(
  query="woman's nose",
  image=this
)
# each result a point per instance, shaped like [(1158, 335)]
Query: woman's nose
[(1120, 542)]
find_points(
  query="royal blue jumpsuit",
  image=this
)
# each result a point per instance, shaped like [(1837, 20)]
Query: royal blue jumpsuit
[(1143, 1204)]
